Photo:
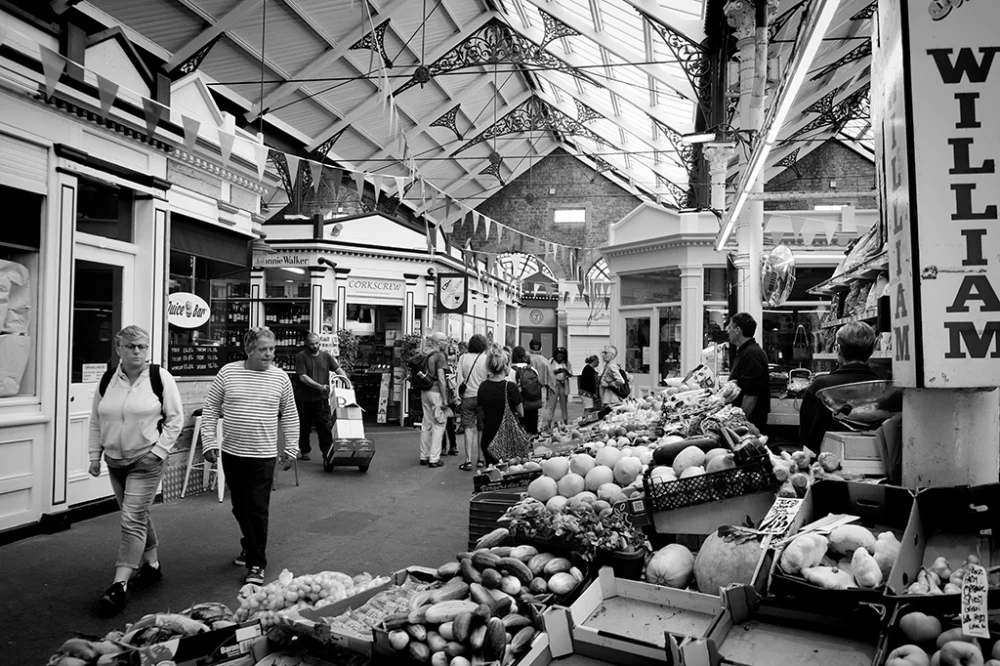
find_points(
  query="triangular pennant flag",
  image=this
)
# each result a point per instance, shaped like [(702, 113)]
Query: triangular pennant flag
[(191, 127), (486, 222), (53, 65), (447, 243), (797, 224), (776, 236), (586, 299), (400, 185), (808, 236), (260, 156), (107, 91), (293, 168), (427, 233), (153, 111), (535, 288), (226, 145), (830, 229), (475, 222), (337, 177), (359, 183), (499, 232), (377, 184), (607, 302), (316, 172)]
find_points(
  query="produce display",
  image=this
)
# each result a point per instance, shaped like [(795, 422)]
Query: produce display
[(849, 557), (363, 620), (921, 639), (940, 578), (797, 471)]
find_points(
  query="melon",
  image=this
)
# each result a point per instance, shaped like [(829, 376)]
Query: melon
[(643, 453), (609, 491), (581, 463), (723, 562), (692, 471), (586, 497), (692, 456), (543, 488), (714, 453), (556, 503), (671, 566), (597, 477), (555, 468), (608, 457), (627, 470), (626, 451), (664, 472), (720, 463), (571, 485)]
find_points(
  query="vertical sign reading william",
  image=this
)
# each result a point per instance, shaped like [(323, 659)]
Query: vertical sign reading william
[(944, 241)]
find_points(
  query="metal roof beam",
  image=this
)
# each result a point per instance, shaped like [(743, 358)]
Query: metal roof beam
[(214, 29), (660, 73), (692, 29)]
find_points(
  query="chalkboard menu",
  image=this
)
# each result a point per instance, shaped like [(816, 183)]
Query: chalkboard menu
[(194, 360)]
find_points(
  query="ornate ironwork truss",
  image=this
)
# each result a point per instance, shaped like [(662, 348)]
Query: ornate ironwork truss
[(685, 151), (494, 43), (867, 12), (692, 57), (778, 23), (322, 149), (531, 115), (585, 114), (601, 165), (374, 41), (855, 107), (448, 120), (789, 159), (494, 170), (859, 53), (194, 62), (680, 195), (825, 104), (554, 29)]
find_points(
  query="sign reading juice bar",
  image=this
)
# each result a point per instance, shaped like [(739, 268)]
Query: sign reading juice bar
[(378, 288), (942, 189)]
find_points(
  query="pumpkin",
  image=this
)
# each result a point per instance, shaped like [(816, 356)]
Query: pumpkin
[(722, 561), (671, 566)]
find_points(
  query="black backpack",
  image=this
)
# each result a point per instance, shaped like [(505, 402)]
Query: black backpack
[(420, 375), (155, 383), (623, 390), (530, 386)]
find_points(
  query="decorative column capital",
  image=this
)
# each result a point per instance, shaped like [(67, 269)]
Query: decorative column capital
[(742, 16), (718, 156)]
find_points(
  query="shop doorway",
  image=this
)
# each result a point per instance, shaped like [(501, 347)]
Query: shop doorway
[(377, 371), (99, 311), (547, 336)]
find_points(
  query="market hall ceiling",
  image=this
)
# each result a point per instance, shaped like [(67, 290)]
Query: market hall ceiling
[(481, 90)]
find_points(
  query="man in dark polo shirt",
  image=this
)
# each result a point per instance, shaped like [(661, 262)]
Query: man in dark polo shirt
[(749, 371), (855, 342), (312, 395)]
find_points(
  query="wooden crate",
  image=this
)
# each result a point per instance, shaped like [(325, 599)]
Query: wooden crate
[(628, 622)]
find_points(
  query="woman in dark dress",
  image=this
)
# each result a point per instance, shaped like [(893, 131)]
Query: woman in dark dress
[(519, 362), (491, 398), (588, 387)]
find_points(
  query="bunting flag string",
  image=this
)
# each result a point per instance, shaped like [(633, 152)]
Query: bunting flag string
[(226, 145), (316, 172), (53, 65), (107, 91)]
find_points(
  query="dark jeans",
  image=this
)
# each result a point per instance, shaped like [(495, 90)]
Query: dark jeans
[(449, 432), (315, 414), (530, 421), (249, 481)]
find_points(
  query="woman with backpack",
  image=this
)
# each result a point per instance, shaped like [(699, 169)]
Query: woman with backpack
[(588, 385), (613, 381), (134, 422), (495, 396), (559, 398), (529, 385), (471, 372)]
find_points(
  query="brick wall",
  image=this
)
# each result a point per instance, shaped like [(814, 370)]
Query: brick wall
[(833, 161), (575, 185)]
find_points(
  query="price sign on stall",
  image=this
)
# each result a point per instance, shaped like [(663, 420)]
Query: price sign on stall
[(779, 518), (974, 589)]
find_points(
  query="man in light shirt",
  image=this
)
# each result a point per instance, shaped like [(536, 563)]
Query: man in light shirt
[(252, 395)]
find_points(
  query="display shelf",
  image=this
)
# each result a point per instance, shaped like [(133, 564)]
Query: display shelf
[(867, 270), (824, 357), (870, 314)]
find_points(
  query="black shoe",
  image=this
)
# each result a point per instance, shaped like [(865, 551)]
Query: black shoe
[(439, 463), (423, 462), (241, 559), (146, 576), (305, 456), (113, 601), (452, 452), (255, 576)]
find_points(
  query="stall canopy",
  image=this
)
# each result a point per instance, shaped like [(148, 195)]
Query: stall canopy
[(471, 93)]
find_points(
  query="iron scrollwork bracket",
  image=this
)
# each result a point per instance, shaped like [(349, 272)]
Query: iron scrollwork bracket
[(692, 57)]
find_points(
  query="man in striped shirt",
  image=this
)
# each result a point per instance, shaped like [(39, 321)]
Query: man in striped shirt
[(251, 396)]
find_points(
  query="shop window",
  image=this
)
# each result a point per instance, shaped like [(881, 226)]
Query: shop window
[(225, 287), (286, 282), (716, 288), (637, 344), (663, 286), (20, 238), (670, 341), (103, 209), (569, 215)]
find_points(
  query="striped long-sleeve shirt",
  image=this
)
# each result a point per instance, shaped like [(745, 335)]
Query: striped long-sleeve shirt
[(250, 402)]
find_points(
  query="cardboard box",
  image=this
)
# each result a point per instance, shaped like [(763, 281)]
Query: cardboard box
[(309, 622), (703, 519), (880, 509), (750, 633), (628, 622), (496, 481), (951, 522), (349, 428), (352, 452), (220, 646), (540, 653), (893, 638)]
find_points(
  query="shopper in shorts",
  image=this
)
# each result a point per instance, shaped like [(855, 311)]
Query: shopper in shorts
[(435, 401), (133, 426), (472, 372)]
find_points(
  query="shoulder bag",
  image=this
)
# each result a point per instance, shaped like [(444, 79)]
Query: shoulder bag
[(511, 441), (462, 386)]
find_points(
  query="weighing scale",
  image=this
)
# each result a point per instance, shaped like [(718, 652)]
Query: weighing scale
[(862, 407)]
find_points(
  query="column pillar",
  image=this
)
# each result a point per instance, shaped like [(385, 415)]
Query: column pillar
[(340, 309), (257, 292), (718, 156), (431, 282), (317, 275), (692, 316)]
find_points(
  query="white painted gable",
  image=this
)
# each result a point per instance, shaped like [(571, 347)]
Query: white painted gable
[(379, 231), (644, 222), (112, 62)]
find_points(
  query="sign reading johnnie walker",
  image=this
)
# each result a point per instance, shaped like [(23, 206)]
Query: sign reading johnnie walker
[(935, 91), (452, 293)]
